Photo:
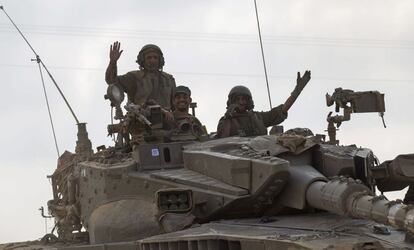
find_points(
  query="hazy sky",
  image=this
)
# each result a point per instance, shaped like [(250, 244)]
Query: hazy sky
[(209, 46)]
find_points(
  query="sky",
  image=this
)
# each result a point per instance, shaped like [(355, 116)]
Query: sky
[(209, 46)]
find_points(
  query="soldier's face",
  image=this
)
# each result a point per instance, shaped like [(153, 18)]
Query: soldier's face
[(241, 101), (152, 61), (181, 102)]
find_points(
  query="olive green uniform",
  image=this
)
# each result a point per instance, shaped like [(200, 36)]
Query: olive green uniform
[(251, 123), (142, 86)]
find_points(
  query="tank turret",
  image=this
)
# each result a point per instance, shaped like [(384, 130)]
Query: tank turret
[(303, 175)]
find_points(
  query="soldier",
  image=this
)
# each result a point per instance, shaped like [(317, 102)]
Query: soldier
[(183, 121), (149, 84), (241, 120)]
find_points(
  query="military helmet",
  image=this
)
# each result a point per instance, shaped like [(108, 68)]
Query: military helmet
[(240, 90), (182, 90), (147, 48)]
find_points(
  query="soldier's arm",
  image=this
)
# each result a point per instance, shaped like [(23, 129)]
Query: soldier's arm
[(168, 115), (172, 92), (223, 128), (300, 85), (114, 54), (273, 117), (111, 73), (203, 129)]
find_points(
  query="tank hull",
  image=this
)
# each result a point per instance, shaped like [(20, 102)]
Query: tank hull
[(302, 231)]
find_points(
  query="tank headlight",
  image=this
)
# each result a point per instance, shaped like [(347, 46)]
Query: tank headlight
[(115, 94), (177, 201)]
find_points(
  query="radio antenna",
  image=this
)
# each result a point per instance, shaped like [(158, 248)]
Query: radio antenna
[(263, 57), (41, 64)]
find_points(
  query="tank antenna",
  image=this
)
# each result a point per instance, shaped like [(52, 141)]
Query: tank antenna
[(43, 65), (263, 57), (47, 105)]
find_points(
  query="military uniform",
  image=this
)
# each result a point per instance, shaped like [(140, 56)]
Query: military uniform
[(250, 123), (141, 86)]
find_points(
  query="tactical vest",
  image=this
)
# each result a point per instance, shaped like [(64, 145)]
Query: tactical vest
[(159, 88), (249, 124)]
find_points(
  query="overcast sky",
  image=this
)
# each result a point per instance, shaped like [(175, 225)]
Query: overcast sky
[(209, 46)]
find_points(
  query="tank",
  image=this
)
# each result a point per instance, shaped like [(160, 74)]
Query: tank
[(162, 189)]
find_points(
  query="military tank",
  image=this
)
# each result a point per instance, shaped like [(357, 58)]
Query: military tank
[(159, 189)]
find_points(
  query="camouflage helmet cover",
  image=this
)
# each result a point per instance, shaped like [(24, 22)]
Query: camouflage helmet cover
[(237, 91), (148, 48)]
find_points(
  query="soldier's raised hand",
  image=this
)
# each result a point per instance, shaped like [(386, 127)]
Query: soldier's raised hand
[(115, 52), (301, 82)]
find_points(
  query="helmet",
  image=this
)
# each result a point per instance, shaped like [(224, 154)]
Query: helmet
[(240, 90), (182, 89), (147, 48)]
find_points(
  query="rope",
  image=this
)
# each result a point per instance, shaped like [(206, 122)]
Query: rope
[(263, 57)]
